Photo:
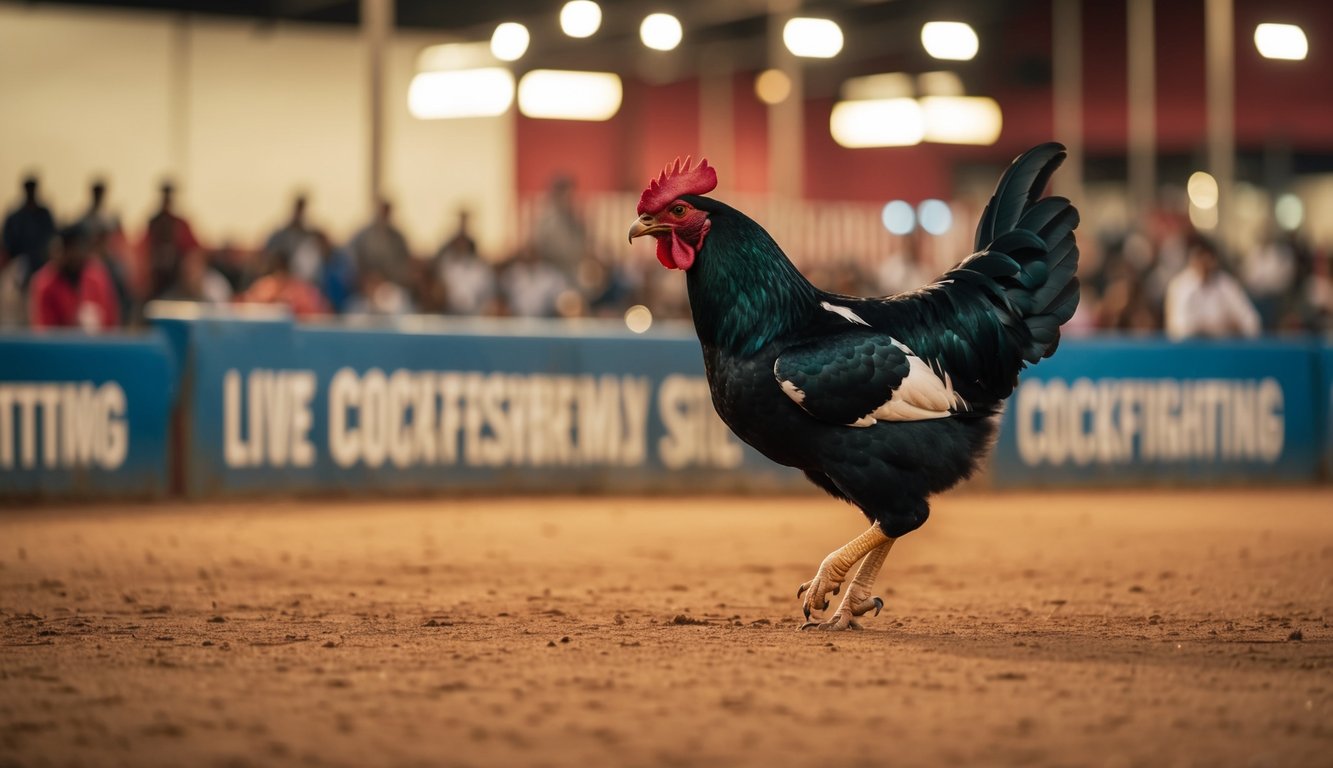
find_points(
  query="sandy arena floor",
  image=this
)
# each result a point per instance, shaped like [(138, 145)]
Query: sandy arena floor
[(1110, 629)]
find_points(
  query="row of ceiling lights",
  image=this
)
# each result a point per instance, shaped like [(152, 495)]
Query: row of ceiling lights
[(805, 37), (876, 111)]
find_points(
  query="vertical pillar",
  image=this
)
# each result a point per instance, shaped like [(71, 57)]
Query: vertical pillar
[(786, 129), (717, 123), (376, 24), (1220, 55), (1140, 49), (1067, 61)]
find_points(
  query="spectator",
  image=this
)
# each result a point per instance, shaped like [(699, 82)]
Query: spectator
[(198, 281), (297, 238), (109, 247), (28, 231), (1205, 301), (280, 286), (73, 289), (379, 296), (468, 280), (168, 240), (559, 235), (379, 246), (337, 273), (533, 287), (289, 236), (461, 241)]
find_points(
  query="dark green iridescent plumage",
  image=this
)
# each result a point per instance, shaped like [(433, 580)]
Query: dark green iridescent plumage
[(979, 324)]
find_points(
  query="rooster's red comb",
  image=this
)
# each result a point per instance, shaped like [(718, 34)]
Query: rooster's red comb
[(678, 179)]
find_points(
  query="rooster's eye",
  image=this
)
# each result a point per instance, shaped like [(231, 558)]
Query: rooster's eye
[(678, 210)]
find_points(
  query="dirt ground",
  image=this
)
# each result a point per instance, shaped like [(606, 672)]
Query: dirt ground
[(1107, 629)]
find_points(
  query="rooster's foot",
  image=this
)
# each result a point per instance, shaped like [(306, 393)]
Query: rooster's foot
[(843, 618), (870, 549)]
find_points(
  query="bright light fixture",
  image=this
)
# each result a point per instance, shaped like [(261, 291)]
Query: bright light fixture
[(953, 40), (772, 86), (447, 56), (877, 123), (554, 94), (890, 85), (1289, 211), (1281, 41), (638, 318), (899, 217), (961, 119), (580, 18), (483, 92), (660, 31), (813, 38), (509, 41), (1202, 190), (1203, 218), (935, 216), (940, 83)]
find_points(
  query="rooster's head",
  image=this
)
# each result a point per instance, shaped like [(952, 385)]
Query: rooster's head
[(667, 212)]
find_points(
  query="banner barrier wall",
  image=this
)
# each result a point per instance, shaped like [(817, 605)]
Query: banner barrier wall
[(278, 407), (1128, 412), (264, 406), (84, 417)]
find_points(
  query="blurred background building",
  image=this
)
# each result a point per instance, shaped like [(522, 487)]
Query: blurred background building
[(483, 158)]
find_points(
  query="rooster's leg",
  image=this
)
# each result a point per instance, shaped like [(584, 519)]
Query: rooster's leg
[(834, 569), (858, 600)]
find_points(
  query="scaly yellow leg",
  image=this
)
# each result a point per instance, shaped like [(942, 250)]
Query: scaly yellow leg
[(857, 599), (834, 569)]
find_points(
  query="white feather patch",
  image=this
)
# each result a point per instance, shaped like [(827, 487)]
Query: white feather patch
[(793, 391), (923, 395), (845, 313)]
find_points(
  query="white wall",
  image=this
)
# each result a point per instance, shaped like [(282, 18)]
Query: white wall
[(242, 116)]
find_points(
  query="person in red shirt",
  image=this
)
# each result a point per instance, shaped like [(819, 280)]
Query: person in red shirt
[(73, 289)]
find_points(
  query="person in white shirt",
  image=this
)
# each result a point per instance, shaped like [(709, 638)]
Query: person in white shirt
[(1203, 301)]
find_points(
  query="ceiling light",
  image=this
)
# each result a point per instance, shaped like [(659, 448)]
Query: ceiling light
[(1281, 41), (510, 41), (899, 217), (952, 40), (939, 84), (461, 93), (1289, 211), (935, 216), (891, 85), (1202, 190), (961, 119), (772, 86), (813, 38), (660, 31), (580, 18), (558, 95), (438, 58), (877, 123)]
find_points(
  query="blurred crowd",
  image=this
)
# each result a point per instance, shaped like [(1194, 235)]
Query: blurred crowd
[(90, 273)]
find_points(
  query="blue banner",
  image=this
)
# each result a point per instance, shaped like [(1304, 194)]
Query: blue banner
[(277, 407), (1325, 405), (84, 416), (1132, 412)]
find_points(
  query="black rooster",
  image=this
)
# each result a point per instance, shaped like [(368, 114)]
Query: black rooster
[(882, 402)]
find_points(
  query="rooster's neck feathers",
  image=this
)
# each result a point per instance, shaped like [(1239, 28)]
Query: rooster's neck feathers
[(744, 291)]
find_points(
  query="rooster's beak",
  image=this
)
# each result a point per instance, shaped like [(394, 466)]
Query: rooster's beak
[(645, 225)]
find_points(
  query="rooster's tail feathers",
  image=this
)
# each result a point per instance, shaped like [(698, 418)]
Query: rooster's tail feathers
[(1026, 245)]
